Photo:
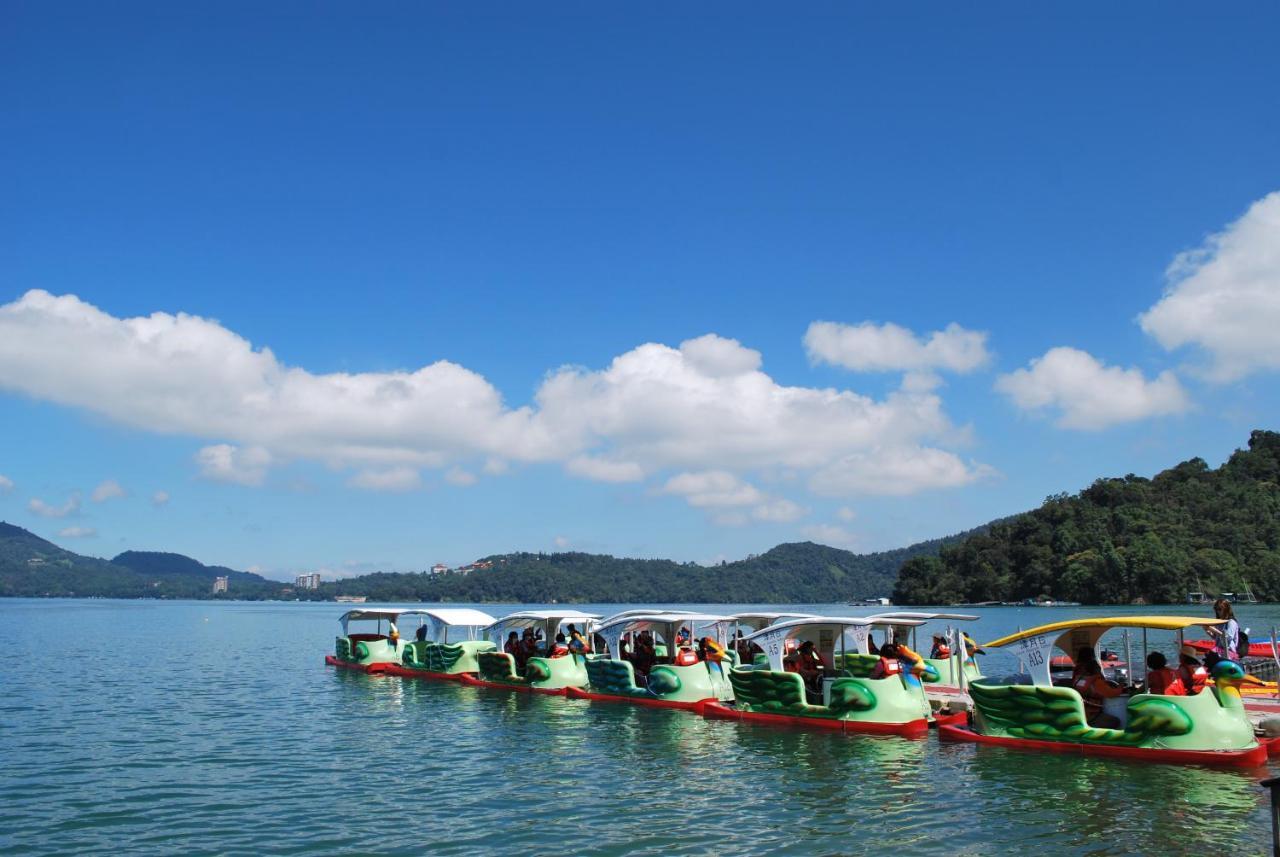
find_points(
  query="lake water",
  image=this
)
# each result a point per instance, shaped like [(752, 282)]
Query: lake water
[(216, 728)]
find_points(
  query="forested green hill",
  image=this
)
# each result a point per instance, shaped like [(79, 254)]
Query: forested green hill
[(1125, 540), (803, 572), (789, 573)]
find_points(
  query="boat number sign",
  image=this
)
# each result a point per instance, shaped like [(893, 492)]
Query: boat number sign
[(1033, 655)]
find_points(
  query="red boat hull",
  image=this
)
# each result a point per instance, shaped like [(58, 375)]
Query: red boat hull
[(579, 693), (1233, 758), (371, 669), (516, 688), (406, 672), (911, 729)]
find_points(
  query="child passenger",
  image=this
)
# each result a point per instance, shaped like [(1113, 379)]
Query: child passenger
[(1161, 679)]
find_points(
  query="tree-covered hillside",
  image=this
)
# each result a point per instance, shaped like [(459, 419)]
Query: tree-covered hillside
[(1125, 540), (802, 572), (33, 567)]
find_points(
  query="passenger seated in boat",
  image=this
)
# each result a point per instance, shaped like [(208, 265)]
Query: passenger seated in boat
[(685, 657), (1084, 657), (642, 656), (560, 649), (809, 666), (940, 648), (1191, 671), (528, 647), (512, 647), (577, 642), (421, 634), (889, 664), (746, 650), (1161, 679), (1095, 690)]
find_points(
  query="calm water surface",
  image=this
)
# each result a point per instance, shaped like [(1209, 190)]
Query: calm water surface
[(146, 727)]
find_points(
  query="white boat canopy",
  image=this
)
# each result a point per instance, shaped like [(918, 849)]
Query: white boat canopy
[(389, 615), (666, 623), (549, 621), (643, 611), (947, 617), (439, 618), (442, 619), (756, 621), (773, 639), (881, 618)]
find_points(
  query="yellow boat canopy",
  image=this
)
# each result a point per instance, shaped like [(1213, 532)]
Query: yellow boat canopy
[(1159, 623)]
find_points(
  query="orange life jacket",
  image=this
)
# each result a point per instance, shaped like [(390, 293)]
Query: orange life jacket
[(686, 657)]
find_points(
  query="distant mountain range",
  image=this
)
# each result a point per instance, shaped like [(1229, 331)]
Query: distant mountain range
[(34, 567), (1118, 541), (800, 572)]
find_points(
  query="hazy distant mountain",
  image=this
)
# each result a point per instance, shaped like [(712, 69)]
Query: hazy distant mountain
[(34, 567), (175, 564)]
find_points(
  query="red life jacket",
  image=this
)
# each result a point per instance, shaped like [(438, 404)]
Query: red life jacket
[(940, 652), (1193, 680), (1165, 682), (1084, 687), (887, 667), (686, 657)]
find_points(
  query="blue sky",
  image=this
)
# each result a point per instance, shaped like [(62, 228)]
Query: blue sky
[(986, 207)]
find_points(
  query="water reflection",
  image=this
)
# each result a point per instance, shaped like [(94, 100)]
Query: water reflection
[(216, 728)]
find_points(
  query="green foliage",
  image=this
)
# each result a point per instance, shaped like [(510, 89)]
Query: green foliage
[(1126, 540)]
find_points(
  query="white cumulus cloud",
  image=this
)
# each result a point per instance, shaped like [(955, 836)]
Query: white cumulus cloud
[(731, 501), (831, 534), (106, 490), (461, 478), (603, 470), (706, 405), (160, 498), (6, 484), (77, 532), (871, 347), (389, 479), (45, 510), (1224, 296), (895, 472), (714, 488), (1090, 395), (182, 374), (224, 462), (658, 407)]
